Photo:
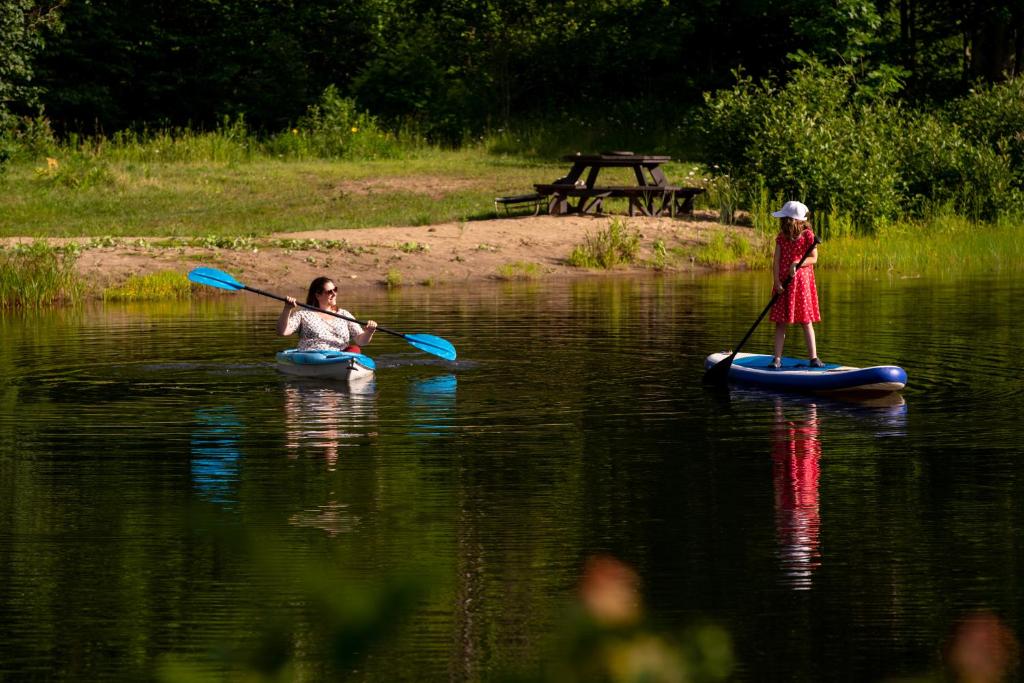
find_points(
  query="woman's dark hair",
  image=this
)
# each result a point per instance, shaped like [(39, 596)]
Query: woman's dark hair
[(315, 287)]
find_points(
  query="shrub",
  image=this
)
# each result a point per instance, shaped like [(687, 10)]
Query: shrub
[(335, 127), (839, 142), (519, 270), (822, 138), (942, 166), (993, 116), (393, 279), (616, 245), (77, 172)]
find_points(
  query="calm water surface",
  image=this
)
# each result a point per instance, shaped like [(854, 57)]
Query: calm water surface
[(161, 485)]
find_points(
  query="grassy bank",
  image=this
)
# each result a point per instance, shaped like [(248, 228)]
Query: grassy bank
[(212, 194), (101, 193), (255, 198)]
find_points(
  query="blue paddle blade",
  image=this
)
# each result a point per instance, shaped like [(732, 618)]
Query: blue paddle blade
[(214, 278), (431, 344)]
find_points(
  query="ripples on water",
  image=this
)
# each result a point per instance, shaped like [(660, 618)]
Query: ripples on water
[(573, 424)]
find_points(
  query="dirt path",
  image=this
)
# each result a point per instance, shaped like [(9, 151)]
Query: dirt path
[(449, 253)]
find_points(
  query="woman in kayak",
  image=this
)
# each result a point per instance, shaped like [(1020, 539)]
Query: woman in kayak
[(797, 302), (321, 331)]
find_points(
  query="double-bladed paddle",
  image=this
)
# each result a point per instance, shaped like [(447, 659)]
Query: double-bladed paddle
[(424, 342), (719, 372)]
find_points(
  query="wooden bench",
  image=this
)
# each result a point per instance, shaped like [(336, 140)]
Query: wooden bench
[(641, 198), (536, 199)]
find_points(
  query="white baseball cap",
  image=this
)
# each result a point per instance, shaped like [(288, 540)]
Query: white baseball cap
[(795, 210)]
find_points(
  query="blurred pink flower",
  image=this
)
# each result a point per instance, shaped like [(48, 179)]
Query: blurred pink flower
[(982, 649)]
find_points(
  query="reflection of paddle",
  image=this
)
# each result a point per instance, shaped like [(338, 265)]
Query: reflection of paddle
[(719, 372), (423, 342)]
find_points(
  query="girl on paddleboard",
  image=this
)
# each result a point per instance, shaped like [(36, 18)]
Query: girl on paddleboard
[(797, 303)]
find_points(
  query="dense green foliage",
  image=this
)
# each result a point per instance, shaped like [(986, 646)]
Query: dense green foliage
[(842, 142), (22, 23), (462, 65)]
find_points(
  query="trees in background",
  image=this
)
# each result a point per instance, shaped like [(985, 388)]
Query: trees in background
[(452, 66), (23, 24)]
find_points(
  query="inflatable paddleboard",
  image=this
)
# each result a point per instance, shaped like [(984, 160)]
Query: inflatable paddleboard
[(796, 375)]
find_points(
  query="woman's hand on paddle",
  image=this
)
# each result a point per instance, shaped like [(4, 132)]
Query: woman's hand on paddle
[(367, 334), (285, 318)]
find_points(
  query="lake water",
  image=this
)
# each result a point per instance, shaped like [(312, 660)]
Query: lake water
[(169, 503)]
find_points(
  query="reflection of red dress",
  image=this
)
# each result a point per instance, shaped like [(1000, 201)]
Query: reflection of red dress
[(799, 303), (796, 451)]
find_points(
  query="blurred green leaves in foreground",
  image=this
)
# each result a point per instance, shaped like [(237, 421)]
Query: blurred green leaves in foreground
[(336, 622), (606, 634)]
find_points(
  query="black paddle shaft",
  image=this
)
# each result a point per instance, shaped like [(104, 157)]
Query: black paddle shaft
[(717, 373), (320, 310)]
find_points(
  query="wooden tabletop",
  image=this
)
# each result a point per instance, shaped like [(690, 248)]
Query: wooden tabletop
[(617, 159)]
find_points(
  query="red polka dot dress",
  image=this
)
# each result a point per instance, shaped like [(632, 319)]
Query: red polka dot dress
[(799, 303)]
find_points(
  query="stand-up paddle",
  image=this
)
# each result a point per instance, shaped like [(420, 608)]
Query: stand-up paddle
[(719, 372), (424, 342)]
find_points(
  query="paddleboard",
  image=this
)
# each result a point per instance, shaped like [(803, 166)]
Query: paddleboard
[(796, 375)]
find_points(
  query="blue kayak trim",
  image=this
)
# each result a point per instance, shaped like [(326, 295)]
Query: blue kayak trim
[(325, 358), (796, 375)]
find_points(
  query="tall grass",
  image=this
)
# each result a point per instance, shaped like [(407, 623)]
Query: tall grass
[(36, 275), (162, 286), (731, 249), (942, 245), (617, 244)]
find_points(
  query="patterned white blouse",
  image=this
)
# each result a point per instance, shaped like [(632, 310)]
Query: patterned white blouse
[(317, 333)]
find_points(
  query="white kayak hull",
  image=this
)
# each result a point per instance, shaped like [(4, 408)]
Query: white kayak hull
[(336, 365)]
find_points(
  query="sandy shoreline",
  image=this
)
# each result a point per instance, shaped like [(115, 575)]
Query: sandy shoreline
[(443, 254)]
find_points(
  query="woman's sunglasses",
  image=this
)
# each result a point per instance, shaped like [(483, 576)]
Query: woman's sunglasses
[(328, 292)]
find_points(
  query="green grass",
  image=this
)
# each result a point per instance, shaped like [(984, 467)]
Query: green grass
[(730, 249), (393, 279), (36, 275), (520, 270), (942, 245), (201, 184), (163, 286), (616, 245)]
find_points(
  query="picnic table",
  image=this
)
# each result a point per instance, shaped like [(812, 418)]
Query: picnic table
[(652, 195)]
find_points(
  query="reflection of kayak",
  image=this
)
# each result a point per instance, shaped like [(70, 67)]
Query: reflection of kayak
[(796, 375), (325, 364)]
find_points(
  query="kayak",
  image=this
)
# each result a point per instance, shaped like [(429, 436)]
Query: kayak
[(340, 365), (796, 375)]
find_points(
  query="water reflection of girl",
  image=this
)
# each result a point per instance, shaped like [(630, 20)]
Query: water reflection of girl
[(796, 451)]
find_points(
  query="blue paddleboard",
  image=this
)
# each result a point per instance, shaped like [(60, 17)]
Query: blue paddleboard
[(796, 375)]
